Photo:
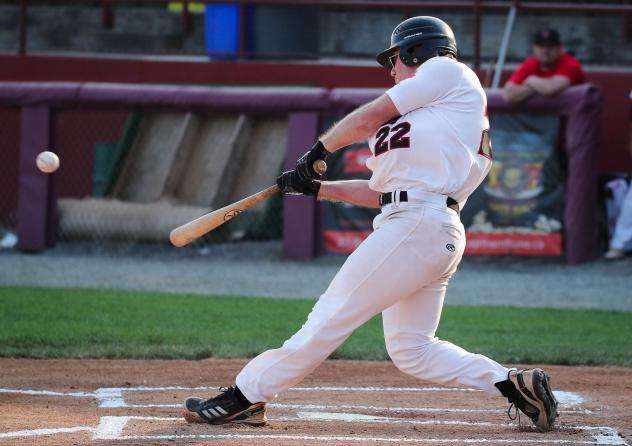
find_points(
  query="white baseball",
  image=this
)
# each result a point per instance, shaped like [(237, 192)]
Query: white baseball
[(47, 162)]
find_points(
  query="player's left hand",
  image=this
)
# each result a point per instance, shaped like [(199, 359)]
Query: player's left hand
[(305, 164), (290, 183)]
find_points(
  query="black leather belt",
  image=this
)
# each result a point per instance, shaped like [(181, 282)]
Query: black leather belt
[(387, 198)]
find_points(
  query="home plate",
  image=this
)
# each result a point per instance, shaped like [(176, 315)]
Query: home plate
[(568, 399)]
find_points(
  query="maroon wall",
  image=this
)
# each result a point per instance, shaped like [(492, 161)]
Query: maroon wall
[(614, 154), (9, 164), (75, 132)]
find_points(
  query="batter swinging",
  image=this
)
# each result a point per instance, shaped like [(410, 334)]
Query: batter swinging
[(429, 135)]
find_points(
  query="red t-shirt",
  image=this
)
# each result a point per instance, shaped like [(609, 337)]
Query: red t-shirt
[(567, 66)]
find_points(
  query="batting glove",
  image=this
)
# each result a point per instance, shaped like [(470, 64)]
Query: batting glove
[(305, 164), (291, 184)]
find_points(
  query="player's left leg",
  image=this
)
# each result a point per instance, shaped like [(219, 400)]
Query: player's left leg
[(409, 332)]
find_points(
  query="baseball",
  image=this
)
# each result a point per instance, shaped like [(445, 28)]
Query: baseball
[(47, 162)]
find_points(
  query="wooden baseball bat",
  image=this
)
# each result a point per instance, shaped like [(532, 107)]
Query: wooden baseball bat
[(188, 232)]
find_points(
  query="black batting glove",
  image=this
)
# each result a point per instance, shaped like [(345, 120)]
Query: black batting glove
[(305, 164), (291, 184)]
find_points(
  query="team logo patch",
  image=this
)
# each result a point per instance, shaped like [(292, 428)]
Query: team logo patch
[(450, 247)]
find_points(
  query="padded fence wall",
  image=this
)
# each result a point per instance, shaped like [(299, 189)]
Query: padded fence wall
[(165, 154)]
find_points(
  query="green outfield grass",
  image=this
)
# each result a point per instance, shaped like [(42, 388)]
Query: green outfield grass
[(80, 323)]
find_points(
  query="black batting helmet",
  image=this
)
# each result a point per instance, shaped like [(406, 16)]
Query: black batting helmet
[(419, 39)]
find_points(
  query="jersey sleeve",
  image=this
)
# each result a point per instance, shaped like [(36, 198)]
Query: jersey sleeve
[(430, 83), (526, 69)]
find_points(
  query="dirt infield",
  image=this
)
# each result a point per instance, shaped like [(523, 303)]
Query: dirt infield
[(85, 402)]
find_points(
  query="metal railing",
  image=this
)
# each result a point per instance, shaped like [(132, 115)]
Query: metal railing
[(477, 7)]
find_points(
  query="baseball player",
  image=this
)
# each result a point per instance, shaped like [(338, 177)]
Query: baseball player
[(429, 135)]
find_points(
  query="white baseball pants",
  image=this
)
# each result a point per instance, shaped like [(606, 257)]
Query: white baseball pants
[(401, 270), (622, 237)]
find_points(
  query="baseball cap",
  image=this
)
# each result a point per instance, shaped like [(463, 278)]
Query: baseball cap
[(546, 37)]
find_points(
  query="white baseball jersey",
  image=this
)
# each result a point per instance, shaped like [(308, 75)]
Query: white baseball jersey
[(440, 143)]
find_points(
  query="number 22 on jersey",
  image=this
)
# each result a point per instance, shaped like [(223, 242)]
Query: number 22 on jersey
[(390, 137)]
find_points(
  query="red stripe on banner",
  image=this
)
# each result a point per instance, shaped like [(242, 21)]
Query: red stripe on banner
[(514, 243), (343, 241)]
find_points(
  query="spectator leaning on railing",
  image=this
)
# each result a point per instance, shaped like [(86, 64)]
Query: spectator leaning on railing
[(549, 71)]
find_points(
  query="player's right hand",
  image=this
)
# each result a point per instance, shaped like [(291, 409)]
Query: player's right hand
[(305, 164), (290, 183)]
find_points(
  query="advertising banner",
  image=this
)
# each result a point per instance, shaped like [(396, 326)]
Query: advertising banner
[(518, 209)]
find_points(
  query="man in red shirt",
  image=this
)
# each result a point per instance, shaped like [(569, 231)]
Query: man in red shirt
[(549, 71)]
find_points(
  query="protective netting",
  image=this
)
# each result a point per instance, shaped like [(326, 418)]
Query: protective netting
[(129, 176)]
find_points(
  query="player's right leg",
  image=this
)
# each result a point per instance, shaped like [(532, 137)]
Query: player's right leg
[(229, 407)]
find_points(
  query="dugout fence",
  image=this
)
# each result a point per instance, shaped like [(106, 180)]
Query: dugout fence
[(140, 160)]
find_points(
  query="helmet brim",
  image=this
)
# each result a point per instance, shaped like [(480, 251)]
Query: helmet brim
[(382, 58)]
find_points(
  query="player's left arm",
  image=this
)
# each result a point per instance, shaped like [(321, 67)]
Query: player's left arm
[(360, 124), (548, 87)]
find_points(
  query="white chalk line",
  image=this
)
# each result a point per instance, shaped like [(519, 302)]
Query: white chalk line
[(48, 393), (380, 389), (38, 432), (355, 418), (111, 428), (400, 409)]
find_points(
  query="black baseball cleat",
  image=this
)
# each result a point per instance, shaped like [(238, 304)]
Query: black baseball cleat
[(530, 391), (229, 407)]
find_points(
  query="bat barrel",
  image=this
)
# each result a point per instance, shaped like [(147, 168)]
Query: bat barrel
[(185, 234)]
